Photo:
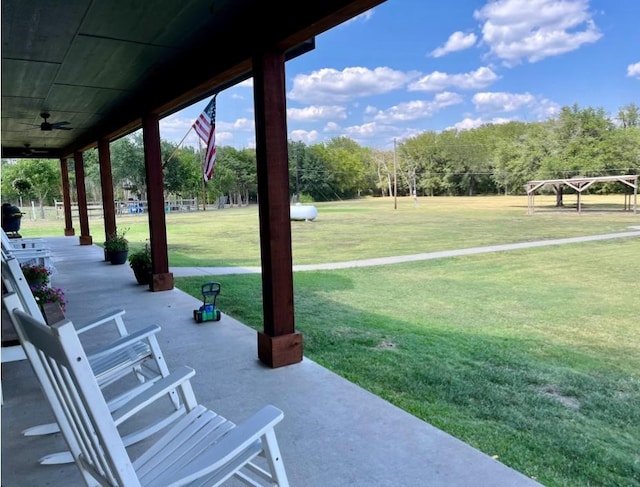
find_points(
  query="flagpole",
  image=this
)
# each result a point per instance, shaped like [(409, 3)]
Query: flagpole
[(177, 147), (204, 183)]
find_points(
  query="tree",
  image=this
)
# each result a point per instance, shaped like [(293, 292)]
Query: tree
[(183, 173), (578, 140), (242, 165), (34, 178), (127, 166), (345, 161), (10, 173), (629, 116), (296, 150)]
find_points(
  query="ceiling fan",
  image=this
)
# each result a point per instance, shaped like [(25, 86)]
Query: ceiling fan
[(48, 126), (28, 151)]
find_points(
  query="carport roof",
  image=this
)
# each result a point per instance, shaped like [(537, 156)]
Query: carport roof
[(102, 65)]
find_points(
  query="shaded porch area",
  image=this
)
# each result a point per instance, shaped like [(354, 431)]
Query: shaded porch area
[(334, 433)]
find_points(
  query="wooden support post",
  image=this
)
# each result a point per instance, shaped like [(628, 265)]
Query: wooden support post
[(161, 279), (85, 236), (66, 198), (106, 181), (279, 344)]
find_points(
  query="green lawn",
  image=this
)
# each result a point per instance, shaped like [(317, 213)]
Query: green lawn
[(532, 356)]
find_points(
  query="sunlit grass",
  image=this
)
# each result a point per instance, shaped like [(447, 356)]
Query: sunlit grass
[(361, 229), (531, 355)]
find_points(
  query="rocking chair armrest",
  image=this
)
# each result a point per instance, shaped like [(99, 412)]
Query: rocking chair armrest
[(148, 332), (180, 377), (230, 446), (113, 315)]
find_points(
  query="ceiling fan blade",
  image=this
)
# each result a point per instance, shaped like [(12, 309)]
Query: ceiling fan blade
[(60, 126)]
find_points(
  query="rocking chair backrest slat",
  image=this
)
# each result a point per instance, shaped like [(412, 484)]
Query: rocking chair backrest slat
[(14, 281), (78, 403)]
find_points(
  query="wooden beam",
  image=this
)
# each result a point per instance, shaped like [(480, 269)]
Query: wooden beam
[(66, 198), (279, 344), (85, 236), (162, 279), (106, 181)]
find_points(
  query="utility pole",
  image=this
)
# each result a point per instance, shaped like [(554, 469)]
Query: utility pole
[(395, 177), (415, 191), (297, 181)]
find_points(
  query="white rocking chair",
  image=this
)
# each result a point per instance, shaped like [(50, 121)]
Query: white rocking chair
[(28, 251), (202, 449), (138, 353)]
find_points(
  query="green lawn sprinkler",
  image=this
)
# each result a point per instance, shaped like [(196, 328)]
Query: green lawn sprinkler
[(208, 310)]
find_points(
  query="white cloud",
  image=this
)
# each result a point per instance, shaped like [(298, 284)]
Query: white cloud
[(545, 108), (457, 41), (501, 102), (331, 127), (474, 80), (472, 123), (633, 70), (370, 110), (175, 123), (364, 130), (378, 134), (244, 124), (329, 85), (363, 17), (417, 109), (306, 136), (223, 138), (316, 113), (535, 29)]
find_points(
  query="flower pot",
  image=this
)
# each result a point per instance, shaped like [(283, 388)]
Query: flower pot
[(143, 276), (117, 257)]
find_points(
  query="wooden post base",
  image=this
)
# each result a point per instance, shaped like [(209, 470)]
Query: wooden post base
[(161, 282), (281, 350), (86, 240), (69, 232)]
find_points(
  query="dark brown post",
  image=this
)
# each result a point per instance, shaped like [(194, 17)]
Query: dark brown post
[(66, 198), (162, 279), (279, 344), (85, 237), (106, 181)]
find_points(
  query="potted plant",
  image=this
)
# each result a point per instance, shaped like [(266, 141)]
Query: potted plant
[(36, 275), (46, 294), (140, 262), (116, 247)]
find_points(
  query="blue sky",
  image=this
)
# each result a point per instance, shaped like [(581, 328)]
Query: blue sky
[(409, 66)]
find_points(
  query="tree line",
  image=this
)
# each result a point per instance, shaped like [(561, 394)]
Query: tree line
[(491, 159)]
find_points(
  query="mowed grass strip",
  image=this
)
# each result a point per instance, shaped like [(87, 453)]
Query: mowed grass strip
[(531, 356)]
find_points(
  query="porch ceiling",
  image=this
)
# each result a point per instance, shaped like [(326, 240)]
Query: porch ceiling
[(101, 65)]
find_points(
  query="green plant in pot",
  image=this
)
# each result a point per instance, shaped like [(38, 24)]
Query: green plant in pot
[(140, 262), (116, 247)]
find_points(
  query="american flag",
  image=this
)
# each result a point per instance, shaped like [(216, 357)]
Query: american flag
[(205, 127)]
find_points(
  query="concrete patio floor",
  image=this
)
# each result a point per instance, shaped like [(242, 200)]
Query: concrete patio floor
[(334, 433)]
